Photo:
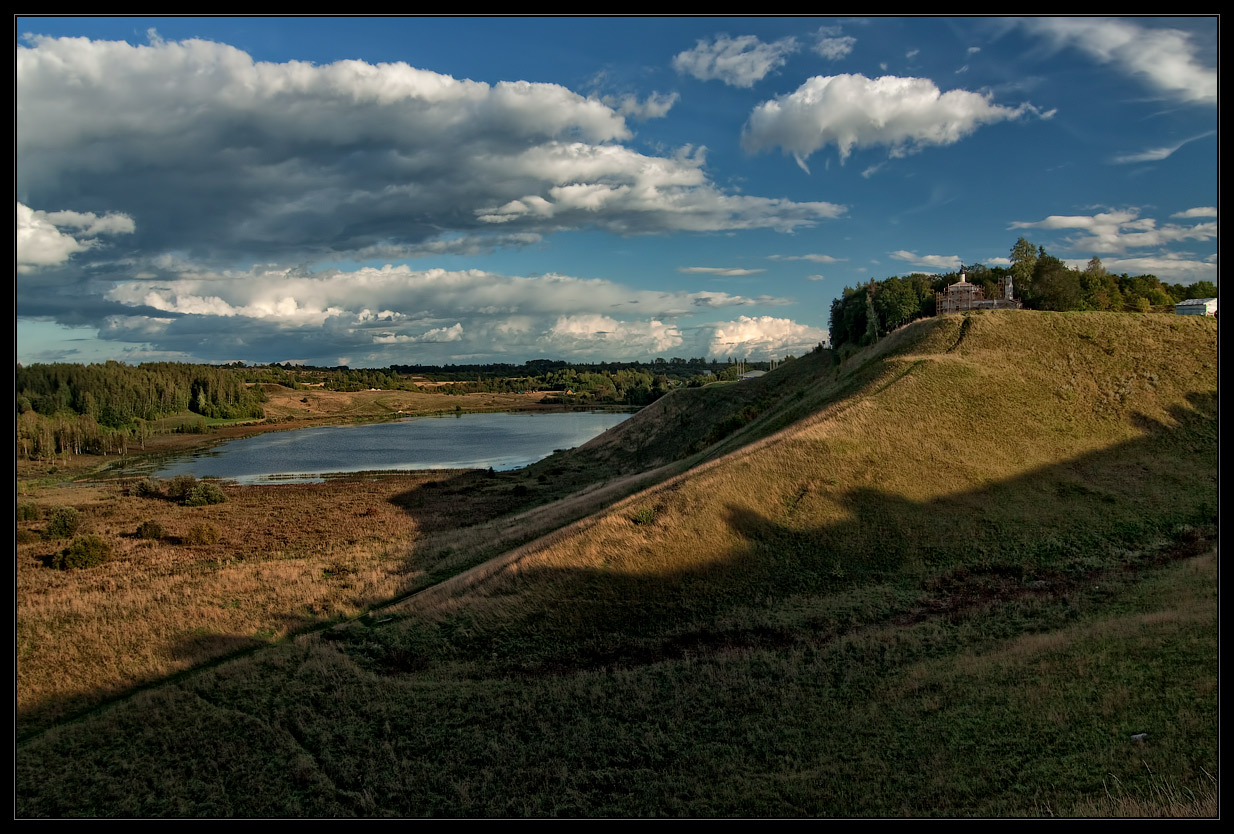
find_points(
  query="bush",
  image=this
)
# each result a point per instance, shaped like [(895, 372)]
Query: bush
[(63, 523), (84, 552), (148, 488), (179, 487), (150, 530), (200, 534), (27, 512), (205, 493), (27, 537), (647, 515)]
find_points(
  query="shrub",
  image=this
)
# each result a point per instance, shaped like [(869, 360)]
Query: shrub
[(27, 512), (27, 536), (179, 487), (644, 516), (63, 523), (205, 493), (150, 530), (148, 488), (200, 534), (84, 552)]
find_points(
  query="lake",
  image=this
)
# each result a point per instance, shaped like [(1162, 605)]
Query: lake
[(464, 441)]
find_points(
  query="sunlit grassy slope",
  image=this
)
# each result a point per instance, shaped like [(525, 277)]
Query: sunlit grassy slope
[(969, 571), (1016, 437)]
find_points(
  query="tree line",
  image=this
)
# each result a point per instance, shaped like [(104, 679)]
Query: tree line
[(116, 395), (625, 383), (1041, 282), (65, 409)]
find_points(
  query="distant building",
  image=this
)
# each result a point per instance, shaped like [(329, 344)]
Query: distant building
[(753, 374), (962, 296), (1197, 307)]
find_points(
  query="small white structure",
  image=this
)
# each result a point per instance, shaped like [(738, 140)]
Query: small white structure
[(1196, 307), (753, 374)]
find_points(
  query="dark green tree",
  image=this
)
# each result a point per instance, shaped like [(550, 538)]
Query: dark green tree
[(1055, 286)]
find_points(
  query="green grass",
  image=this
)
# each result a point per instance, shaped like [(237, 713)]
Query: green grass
[(972, 715), (958, 574)]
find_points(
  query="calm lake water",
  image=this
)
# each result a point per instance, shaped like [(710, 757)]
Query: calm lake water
[(465, 441)]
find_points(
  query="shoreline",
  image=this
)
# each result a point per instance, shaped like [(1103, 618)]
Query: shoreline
[(94, 468)]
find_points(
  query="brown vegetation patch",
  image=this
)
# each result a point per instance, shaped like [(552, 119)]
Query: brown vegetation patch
[(286, 557)]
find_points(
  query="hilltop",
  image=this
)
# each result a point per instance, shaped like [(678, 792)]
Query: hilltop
[(959, 572)]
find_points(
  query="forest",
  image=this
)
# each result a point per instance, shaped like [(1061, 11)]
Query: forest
[(98, 409), (1041, 281)]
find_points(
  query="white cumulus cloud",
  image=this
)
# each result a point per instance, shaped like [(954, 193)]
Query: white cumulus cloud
[(1117, 231), (852, 111), (738, 62), (380, 313), (755, 336), (599, 335), (1174, 269), (41, 240), (1198, 211), (832, 44), (655, 106)]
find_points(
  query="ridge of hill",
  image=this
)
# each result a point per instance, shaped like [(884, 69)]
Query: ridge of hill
[(948, 412)]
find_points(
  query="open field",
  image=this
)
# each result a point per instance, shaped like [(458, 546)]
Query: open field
[(159, 606), (969, 571), (318, 404), (288, 557)]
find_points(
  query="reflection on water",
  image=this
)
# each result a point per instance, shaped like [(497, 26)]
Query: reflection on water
[(465, 441)]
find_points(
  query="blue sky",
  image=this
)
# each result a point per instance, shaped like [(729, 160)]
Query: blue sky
[(376, 191)]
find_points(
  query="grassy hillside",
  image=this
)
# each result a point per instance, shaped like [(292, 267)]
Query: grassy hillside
[(969, 571)]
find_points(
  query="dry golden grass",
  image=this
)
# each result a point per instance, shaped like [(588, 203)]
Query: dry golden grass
[(287, 556), (1162, 800), (933, 424), (319, 404)]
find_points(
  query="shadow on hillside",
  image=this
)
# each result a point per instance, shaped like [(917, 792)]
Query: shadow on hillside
[(212, 644), (672, 428), (669, 430), (219, 645), (216, 646), (1034, 533), (1040, 533)]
